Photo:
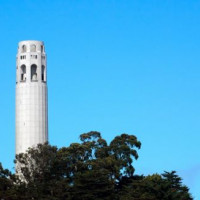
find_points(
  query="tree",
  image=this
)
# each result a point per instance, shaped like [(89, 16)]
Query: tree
[(167, 186), (91, 169), (122, 148), (174, 187), (40, 173), (87, 170), (6, 184)]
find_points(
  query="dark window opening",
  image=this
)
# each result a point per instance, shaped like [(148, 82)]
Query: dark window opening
[(23, 73), (43, 73), (34, 56), (33, 72)]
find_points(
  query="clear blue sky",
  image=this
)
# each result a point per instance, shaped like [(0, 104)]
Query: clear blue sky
[(113, 66)]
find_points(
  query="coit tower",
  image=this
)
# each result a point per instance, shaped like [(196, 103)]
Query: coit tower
[(31, 95)]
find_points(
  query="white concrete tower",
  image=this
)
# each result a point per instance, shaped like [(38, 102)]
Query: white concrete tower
[(31, 95)]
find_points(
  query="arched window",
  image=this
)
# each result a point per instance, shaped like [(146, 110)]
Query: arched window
[(42, 48), (33, 72), (33, 48), (23, 73), (23, 48), (43, 73)]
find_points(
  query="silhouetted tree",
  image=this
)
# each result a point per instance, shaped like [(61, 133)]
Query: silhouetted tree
[(167, 186), (91, 169)]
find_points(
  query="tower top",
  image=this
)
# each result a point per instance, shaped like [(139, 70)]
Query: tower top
[(31, 63), (30, 46)]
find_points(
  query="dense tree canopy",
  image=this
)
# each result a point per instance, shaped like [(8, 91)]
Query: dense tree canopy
[(91, 169)]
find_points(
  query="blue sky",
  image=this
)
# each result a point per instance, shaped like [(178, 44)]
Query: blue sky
[(113, 66)]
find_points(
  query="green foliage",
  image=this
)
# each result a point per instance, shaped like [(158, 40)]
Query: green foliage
[(122, 148), (167, 186), (91, 169), (6, 184)]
